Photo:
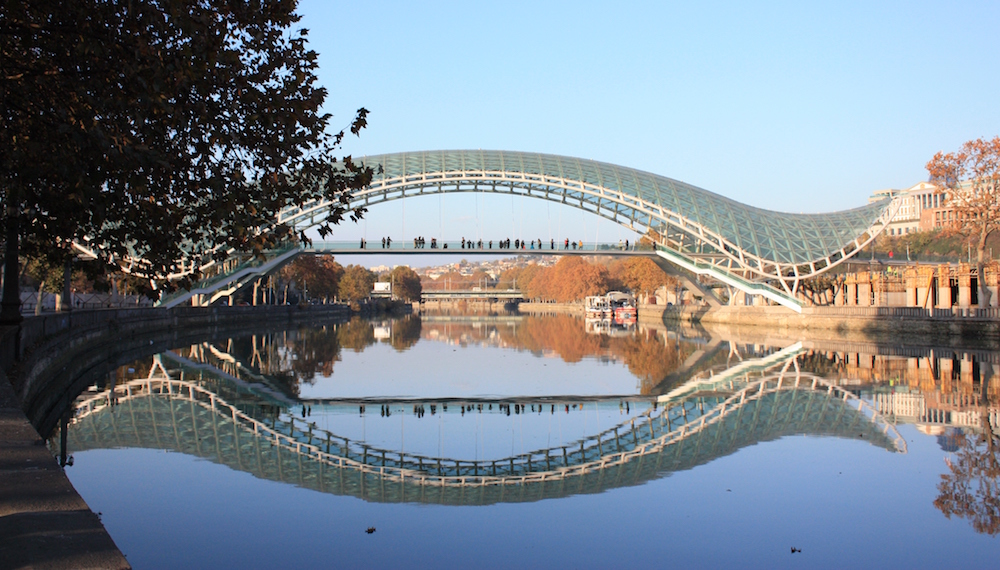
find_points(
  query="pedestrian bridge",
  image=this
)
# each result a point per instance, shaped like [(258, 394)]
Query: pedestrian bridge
[(709, 420), (751, 249)]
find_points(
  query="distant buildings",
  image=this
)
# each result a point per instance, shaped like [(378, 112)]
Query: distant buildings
[(923, 207)]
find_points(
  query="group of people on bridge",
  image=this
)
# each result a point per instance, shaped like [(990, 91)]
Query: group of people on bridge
[(419, 410), (519, 244)]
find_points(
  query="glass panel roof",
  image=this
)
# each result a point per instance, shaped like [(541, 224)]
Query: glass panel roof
[(776, 236)]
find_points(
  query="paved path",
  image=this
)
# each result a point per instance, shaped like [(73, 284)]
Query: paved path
[(44, 523)]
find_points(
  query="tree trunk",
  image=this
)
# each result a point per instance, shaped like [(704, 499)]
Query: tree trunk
[(984, 292), (38, 300), (67, 299), (10, 307)]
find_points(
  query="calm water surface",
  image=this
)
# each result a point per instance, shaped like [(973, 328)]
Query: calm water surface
[(495, 441)]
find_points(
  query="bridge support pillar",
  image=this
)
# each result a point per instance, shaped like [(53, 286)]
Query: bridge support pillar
[(690, 282), (944, 296), (865, 295), (964, 295)]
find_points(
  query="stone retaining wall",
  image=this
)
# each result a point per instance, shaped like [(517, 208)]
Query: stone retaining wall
[(840, 322), (49, 348), (549, 308)]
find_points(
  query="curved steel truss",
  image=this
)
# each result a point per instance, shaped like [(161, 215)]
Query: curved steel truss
[(694, 227), (757, 251), (678, 435)]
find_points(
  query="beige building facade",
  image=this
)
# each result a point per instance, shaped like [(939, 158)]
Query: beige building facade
[(922, 208)]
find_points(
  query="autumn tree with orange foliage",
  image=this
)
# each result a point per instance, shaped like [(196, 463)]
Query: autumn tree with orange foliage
[(356, 283), (449, 281), (320, 275), (405, 283), (571, 279), (641, 275), (972, 179), (520, 278)]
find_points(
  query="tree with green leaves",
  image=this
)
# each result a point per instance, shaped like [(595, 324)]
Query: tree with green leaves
[(155, 131)]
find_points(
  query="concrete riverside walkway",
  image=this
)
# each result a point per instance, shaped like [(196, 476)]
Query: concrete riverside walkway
[(44, 523)]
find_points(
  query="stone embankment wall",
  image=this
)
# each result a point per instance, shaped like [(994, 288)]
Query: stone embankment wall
[(552, 308), (44, 362), (474, 305), (46, 349), (840, 322)]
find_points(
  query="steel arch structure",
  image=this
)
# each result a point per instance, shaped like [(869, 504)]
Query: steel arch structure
[(757, 251), (695, 228)]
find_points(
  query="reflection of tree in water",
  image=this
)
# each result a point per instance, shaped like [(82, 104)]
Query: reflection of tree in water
[(562, 334), (405, 332), (645, 354), (356, 334), (648, 358), (314, 350), (971, 488), (288, 357)]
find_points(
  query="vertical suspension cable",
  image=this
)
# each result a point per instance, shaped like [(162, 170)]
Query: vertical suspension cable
[(513, 216), (548, 216)]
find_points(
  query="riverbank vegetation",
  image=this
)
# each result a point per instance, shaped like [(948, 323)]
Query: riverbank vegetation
[(573, 278), (570, 279)]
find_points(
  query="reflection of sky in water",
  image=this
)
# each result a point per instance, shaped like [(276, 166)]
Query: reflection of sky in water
[(435, 369), (489, 434), (844, 503)]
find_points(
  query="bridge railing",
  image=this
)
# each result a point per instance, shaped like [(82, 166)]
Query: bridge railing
[(242, 265), (530, 246)]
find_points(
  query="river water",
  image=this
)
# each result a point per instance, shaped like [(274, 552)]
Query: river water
[(509, 440)]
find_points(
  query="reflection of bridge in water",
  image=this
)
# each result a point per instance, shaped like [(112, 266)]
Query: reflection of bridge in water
[(711, 419)]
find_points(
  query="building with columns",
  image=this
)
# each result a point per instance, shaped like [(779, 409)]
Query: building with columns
[(922, 209)]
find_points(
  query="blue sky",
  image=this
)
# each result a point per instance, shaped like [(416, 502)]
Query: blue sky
[(791, 106)]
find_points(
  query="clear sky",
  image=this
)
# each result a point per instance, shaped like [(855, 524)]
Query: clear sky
[(792, 106)]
